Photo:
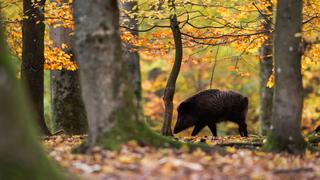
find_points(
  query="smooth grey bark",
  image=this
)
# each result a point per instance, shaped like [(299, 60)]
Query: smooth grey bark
[(32, 66), (109, 98), (130, 54), (266, 65), (110, 101), (68, 113), (266, 93), (285, 132), (171, 83), (21, 157)]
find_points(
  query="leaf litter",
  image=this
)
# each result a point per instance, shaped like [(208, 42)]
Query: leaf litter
[(133, 161)]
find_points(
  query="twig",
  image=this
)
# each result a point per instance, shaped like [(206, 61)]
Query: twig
[(294, 170), (145, 30), (227, 35), (255, 144), (214, 66), (263, 15)]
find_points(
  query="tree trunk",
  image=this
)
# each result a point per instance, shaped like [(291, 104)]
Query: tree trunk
[(68, 112), (113, 113), (32, 72), (266, 93), (108, 95), (21, 157), (66, 102), (288, 94), (171, 83), (131, 55)]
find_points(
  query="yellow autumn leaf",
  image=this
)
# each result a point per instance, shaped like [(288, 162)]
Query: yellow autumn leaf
[(231, 149)]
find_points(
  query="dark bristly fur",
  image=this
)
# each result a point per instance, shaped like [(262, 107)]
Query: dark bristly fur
[(212, 106)]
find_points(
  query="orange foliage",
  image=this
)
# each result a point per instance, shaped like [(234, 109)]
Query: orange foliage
[(235, 26)]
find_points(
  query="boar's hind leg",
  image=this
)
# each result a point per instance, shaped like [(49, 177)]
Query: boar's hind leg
[(198, 127), (213, 129)]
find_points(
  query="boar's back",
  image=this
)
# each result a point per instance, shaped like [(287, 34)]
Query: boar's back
[(217, 102)]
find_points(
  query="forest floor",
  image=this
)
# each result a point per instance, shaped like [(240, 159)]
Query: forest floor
[(137, 162)]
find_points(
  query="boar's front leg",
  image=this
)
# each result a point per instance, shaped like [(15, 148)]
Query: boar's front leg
[(243, 130), (198, 127), (213, 129)]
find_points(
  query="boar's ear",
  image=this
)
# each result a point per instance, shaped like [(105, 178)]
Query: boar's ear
[(185, 106)]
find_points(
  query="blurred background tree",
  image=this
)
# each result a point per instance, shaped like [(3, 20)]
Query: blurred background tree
[(21, 156)]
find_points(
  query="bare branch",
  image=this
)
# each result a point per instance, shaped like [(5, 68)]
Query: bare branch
[(145, 30), (262, 14), (227, 35), (214, 66)]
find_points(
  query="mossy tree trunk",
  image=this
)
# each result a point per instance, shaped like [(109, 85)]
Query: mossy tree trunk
[(67, 106), (130, 54), (21, 157), (171, 83), (107, 92), (266, 65), (32, 66), (113, 113), (285, 132)]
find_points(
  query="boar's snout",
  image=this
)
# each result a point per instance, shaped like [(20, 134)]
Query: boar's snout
[(178, 127), (184, 121), (176, 130)]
